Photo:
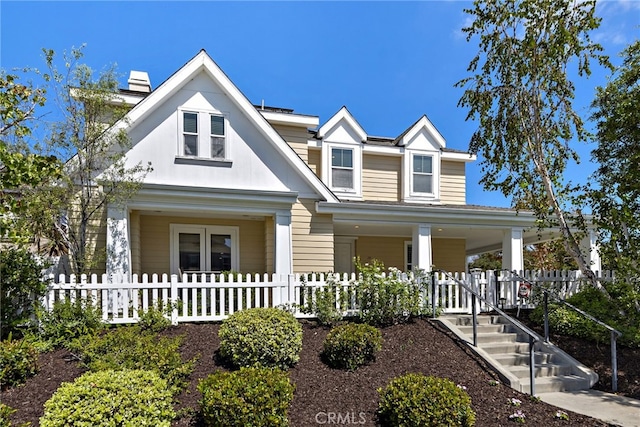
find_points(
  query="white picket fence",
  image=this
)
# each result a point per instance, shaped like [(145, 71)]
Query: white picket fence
[(213, 297)]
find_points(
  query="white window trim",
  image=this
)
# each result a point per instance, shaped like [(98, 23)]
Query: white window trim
[(354, 193), (204, 134), (205, 242), (408, 194)]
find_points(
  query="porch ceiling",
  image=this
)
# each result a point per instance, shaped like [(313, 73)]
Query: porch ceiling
[(478, 239)]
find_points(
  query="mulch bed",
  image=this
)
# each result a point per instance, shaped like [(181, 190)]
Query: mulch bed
[(421, 346)]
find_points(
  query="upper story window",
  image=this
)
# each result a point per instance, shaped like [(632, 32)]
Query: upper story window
[(217, 137), (203, 135), (342, 168), (422, 174)]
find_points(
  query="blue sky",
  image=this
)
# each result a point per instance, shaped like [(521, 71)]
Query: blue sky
[(388, 62)]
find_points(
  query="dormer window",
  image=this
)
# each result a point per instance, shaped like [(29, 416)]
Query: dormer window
[(342, 168), (422, 174)]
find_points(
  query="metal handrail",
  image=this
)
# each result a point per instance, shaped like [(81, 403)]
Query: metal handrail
[(533, 336), (613, 331)]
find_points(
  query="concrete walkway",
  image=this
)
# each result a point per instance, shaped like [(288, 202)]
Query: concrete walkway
[(610, 408)]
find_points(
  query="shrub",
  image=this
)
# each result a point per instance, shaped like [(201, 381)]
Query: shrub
[(419, 400), (350, 346), (19, 362), (248, 397), (111, 398), (22, 286), (386, 299), (130, 347), (155, 318), (69, 320), (326, 303), (261, 337)]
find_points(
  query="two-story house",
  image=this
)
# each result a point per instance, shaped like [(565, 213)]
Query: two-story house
[(256, 189)]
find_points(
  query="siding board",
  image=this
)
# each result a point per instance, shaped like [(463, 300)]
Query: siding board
[(312, 238), (381, 177), (452, 183)]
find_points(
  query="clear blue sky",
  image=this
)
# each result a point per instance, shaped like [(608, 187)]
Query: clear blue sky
[(388, 62)]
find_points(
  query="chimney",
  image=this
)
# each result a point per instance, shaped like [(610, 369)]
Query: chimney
[(139, 81)]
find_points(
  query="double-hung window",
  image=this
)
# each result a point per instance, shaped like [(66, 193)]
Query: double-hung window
[(195, 127), (342, 168), (190, 133), (422, 174), (217, 136)]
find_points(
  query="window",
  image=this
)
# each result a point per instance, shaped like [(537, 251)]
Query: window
[(204, 248), (408, 256), (190, 133), (341, 168), (217, 137), (422, 174), (195, 126)]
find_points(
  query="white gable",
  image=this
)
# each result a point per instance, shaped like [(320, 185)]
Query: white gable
[(256, 157), (422, 136), (343, 128)]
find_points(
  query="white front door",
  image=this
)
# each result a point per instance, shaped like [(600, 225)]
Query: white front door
[(344, 251)]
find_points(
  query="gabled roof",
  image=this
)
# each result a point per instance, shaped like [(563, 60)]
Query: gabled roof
[(203, 62), (342, 114), (422, 123)]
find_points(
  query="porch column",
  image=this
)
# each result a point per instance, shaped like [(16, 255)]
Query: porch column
[(512, 244), (118, 248), (422, 255), (283, 259), (591, 249)]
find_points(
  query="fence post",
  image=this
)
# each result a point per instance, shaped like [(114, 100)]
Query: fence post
[(614, 363), (290, 290), (174, 299), (433, 294)]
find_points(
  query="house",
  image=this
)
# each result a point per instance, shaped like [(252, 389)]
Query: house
[(257, 189)]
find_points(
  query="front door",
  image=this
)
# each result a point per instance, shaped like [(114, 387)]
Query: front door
[(344, 251)]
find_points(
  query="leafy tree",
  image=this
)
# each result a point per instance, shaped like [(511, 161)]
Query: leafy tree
[(487, 261), (520, 92), (551, 255), (22, 173), (96, 176), (616, 203)]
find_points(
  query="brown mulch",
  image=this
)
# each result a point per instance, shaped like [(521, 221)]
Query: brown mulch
[(422, 346)]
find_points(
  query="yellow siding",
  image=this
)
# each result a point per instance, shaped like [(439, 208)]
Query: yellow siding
[(296, 137), (155, 239), (134, 236), (381, 177), (389, 250), (312, 238), (269, 244), (314, 161), (96, 237), (452, 183), (449, 254)]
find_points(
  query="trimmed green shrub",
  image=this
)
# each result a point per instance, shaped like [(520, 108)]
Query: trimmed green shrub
[(385, 299), (325, 303), (155, 318), (111, 398), (261, 337), (352, 345), (69, 320), (19, 360), (249, 397), (416, 400), (22, 287), (129, 347)]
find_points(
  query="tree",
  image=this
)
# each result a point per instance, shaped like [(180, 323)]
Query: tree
[(96, 176), (616, 203), (520, 92), (23, 174)]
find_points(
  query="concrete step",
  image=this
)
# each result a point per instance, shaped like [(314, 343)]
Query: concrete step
[(517, 359), (467, 320), (556, 383), (498, 337), (541, 370), (494, 327), (505, 347)]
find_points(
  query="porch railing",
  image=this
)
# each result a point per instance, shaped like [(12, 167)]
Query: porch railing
[(211, 297)]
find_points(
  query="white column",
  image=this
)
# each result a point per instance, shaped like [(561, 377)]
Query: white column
[(118, 249), (421, 247), (512, 247), (591, 249), (283, 258)]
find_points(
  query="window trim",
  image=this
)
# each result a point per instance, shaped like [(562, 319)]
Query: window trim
[(408, 261), (205, 232), (223, 136), (414, 173), (184, 133), (352, 169), (408, 195)]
